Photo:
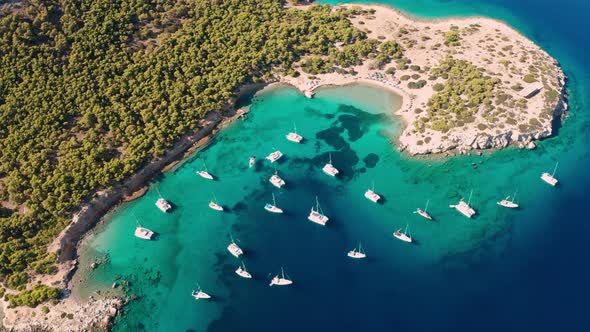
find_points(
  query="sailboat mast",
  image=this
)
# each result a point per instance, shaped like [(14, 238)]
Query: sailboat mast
[(273, 200), (555, 169), (426, 208), (469, 201)]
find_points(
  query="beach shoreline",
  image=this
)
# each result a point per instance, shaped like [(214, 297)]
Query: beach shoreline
[(100, 312)]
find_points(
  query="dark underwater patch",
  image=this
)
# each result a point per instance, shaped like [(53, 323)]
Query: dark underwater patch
[(371, 160)]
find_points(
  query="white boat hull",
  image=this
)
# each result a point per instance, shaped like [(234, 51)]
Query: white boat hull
[(252, 161), (280, 281), (330, 170), (372, 196), (464, 209), (235, 250), (243, 273), (200, 295), (549, 179), (274, 156), (272, 208), (508, 204), (424, 214), (401, 236), (215, 206), (318, 218), (276, 181), (205, 175), (163, 205), (143, 233), (293, 137), (356, 254)]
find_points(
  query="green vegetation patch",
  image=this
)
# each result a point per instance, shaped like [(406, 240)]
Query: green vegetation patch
[(458, 99)]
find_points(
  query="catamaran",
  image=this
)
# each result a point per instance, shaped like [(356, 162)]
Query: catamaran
[(234, 249), (354, 253), (213, 204), (465, 208), (241, 271), (423, 213), (403, 236), (317, 215), (252, 161), (205, 173), (280, 281), (143, 233), (199, 294), (273, 207), (276, 180), (371, 195), (330, 169), (509, 203), (550, 178), (274, 156), (161, 203), (294, 137)]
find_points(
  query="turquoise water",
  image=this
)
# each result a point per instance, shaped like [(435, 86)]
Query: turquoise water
[(504, 270)]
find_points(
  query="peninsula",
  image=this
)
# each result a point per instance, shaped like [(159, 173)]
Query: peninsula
[(97, 98), (467, 83)]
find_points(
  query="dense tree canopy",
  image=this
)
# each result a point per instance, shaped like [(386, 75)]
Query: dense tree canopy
[(92, 90)]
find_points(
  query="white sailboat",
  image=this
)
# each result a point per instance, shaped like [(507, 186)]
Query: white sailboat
[(276, 180), (330, 169), (241, 271), (199, 294), (371, 195), (205, 173), (143, 233), (550, 178), (280, 281), (423, 213), (213, 204), (465, 208), (252, 161), (274, 156), (509, 203), (234, 249), (354, 253), (317, 215), (403, 236), (294, 137), (273, 207), (161, 203)]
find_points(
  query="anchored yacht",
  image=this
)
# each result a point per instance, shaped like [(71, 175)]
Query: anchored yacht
[(465, 208), (143, 233), (330, 169), (550, 178), (354, 253), (509, 203), (163, 204), (252, 161), (371, 195), (199, 294), (294, 137), (274, 156), (276, 180), (317, 215), (273, 207), (241, 271), (280, 281), (234, 249), (423, 213), (403, 236)]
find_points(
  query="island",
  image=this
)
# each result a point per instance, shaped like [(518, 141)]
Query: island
[(98, 98)]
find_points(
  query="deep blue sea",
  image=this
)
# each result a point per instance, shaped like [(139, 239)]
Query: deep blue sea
[(525, 270)]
